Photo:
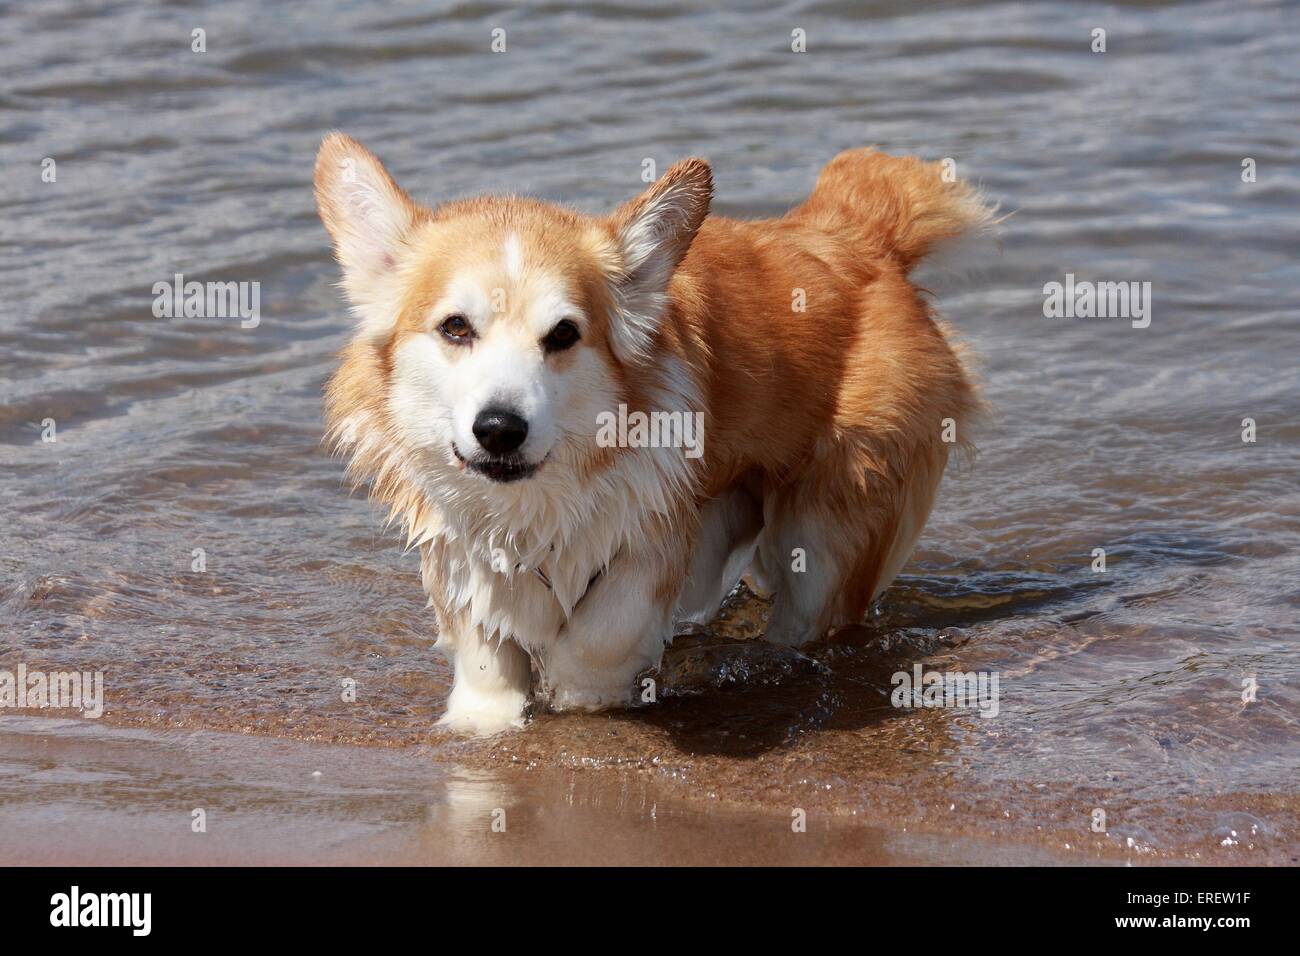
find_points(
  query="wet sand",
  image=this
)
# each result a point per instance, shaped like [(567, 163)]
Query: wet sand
[(745, 737), (75, 792), (79, 792)]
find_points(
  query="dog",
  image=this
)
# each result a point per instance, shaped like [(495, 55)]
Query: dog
[(499, 339)]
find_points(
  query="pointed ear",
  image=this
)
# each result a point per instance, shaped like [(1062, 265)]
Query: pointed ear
[(367, 215), (653, 233)]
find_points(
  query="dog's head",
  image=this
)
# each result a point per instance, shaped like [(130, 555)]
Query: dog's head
[(502, 327)]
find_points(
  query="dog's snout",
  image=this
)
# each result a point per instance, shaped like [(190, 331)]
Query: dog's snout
[(499, 430)]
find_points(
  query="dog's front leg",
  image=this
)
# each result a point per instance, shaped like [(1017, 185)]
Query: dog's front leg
[(491, 684), (618, 630)]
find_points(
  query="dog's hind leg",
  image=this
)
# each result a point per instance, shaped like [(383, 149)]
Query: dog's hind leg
[(802, 562), (836, 538), (729, 526)]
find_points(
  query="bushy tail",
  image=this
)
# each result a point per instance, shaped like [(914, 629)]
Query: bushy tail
[(896, 206)]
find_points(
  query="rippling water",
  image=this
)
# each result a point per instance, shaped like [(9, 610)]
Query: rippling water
[(1120, 690)]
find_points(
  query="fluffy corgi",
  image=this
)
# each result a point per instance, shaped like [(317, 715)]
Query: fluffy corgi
[(499, 338)]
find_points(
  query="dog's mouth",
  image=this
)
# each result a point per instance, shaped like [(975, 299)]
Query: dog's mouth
[(503, 469)]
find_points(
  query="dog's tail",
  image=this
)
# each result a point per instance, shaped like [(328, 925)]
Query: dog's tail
[(896, 207)]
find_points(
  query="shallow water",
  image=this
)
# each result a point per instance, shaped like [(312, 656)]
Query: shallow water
[(1119, 690)]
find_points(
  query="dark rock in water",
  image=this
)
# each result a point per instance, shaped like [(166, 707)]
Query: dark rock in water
[(692, 665)]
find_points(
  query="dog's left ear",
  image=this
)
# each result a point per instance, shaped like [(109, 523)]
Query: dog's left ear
[(653, 232)]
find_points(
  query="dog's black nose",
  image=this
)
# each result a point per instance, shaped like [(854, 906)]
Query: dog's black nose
[(499, 431)]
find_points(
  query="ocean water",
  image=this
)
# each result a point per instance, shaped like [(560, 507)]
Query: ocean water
[(1162, 691)]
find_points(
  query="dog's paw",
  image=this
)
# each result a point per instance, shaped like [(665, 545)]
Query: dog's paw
[(482, 715), (479, 723)]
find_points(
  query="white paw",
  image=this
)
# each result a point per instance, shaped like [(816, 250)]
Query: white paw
[(480, 714)]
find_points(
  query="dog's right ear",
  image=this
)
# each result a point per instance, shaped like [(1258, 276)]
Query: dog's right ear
[(367, 215)]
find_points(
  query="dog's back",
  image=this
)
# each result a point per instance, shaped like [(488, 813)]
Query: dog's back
[(834, 395)]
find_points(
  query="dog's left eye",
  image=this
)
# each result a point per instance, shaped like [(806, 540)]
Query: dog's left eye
[(563, 336)]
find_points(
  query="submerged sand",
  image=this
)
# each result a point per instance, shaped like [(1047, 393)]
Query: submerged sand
[(89, 793)]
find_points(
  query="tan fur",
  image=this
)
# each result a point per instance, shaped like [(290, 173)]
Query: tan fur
[(841, 404), (830, 418)]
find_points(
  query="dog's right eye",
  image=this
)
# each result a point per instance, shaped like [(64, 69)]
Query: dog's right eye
[(456, 328)]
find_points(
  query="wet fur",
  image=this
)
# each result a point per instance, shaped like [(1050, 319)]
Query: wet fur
[(822, 428)]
